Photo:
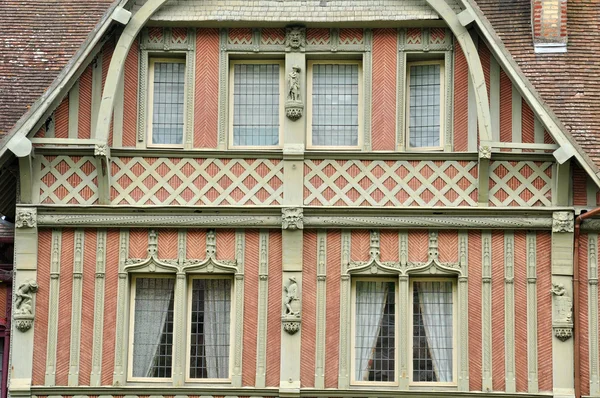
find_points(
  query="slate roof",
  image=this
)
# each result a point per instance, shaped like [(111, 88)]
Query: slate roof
[(37, 39), (569, 83)]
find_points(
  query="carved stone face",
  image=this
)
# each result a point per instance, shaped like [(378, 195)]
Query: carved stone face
[(295, 37)]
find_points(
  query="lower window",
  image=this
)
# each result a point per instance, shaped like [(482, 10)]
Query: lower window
[(208, 325)]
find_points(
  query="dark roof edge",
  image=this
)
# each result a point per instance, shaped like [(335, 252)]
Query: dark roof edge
[(547, 117), (30, 118)]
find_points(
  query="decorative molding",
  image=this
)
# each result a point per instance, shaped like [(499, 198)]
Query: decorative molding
[(439, 222), (593, 313), (50, 376), (223, 87), (295, 38), (463, 310), (159, 220), (292, 218), (532, 313), (238, 338), (562, 312), (367, 89), (26, 217), (119, 375), (24, 313), (486, 309), (509, 311), (263, 304), (321, 309), (563, 221), (76, 304), (97, 340), (345, 316)]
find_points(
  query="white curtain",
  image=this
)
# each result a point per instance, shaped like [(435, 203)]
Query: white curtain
[(436, 307), (217, 302), (370, 301), (152, 297)]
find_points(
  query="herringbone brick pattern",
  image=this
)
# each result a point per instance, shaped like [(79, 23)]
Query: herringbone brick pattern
[(42, 301), (178, 35), (332, 331), (85, 104), (359, 245), (353, 36), (418, 243), (527, 131), (64, 310), (461, 100), (272, 36), (448, 246), (414, 36), (274, 310), (475, 325), (167, 243), (130, 94), (138, 243), (225, 244), (317, 36), (110, 305), (579, 186), (309, 309), (437, 35), (520, 284), (206, 102), (544, 272), (250, 308), (383, 118), (498, 353), (196, 243), (240, 36), (505, 108), (87, 307), (61, 119), (389, 245)]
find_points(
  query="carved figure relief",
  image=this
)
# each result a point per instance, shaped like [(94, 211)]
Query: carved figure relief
[(562, 221), (293, 105), (291, 307), (26, 217), (24, 305), (562, 319), (292, 218), (295, 38)]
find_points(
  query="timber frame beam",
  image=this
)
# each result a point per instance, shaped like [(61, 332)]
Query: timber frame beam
[(455, 23)]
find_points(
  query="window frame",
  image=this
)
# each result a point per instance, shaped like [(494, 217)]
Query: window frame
[(309, 104), (152, 60), (443, 104), (132, 289), (353, 381), (232, 63), (454, 381), (189, 286)]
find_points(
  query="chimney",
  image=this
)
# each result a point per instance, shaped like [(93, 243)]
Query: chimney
[(549, 23)]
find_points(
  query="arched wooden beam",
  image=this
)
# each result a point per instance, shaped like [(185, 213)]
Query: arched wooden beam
[(117, 64), (474, 63)]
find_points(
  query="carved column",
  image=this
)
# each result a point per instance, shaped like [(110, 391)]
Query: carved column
[(25, 265), (294, 128), (562, 303)]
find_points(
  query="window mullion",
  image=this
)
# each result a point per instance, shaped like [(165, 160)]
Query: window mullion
[(404, 335), (179, 331)]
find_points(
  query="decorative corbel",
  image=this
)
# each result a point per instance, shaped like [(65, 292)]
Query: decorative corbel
[(292, 218), (291, 317), (24, 309), (562, 319), (563, 221), (102, 155), (295, 38), (26, 217)]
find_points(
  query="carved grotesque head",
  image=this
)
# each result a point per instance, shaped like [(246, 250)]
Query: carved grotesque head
[(295, 37)]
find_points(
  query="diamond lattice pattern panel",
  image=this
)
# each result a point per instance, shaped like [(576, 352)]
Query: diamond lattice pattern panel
[(197, 182), (68, 180), (390, 183), (520, 183)]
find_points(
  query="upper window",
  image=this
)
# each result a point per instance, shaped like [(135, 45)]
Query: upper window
[(376, 324), (256, 108), (425, 105), (334, 95), (167, 101), (208, 325)]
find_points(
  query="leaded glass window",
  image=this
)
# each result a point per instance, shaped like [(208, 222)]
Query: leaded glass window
[(168, 93), (424, 105)]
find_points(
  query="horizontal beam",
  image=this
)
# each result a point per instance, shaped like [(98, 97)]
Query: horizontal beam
[(65, 141), (520, 145)]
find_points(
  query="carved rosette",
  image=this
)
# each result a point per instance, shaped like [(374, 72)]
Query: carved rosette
[(292, 218), (485, 152), (101, 150), (563, 221), (26, 218)]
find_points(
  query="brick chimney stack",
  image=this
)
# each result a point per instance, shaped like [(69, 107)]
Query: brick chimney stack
[(549, 23)]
